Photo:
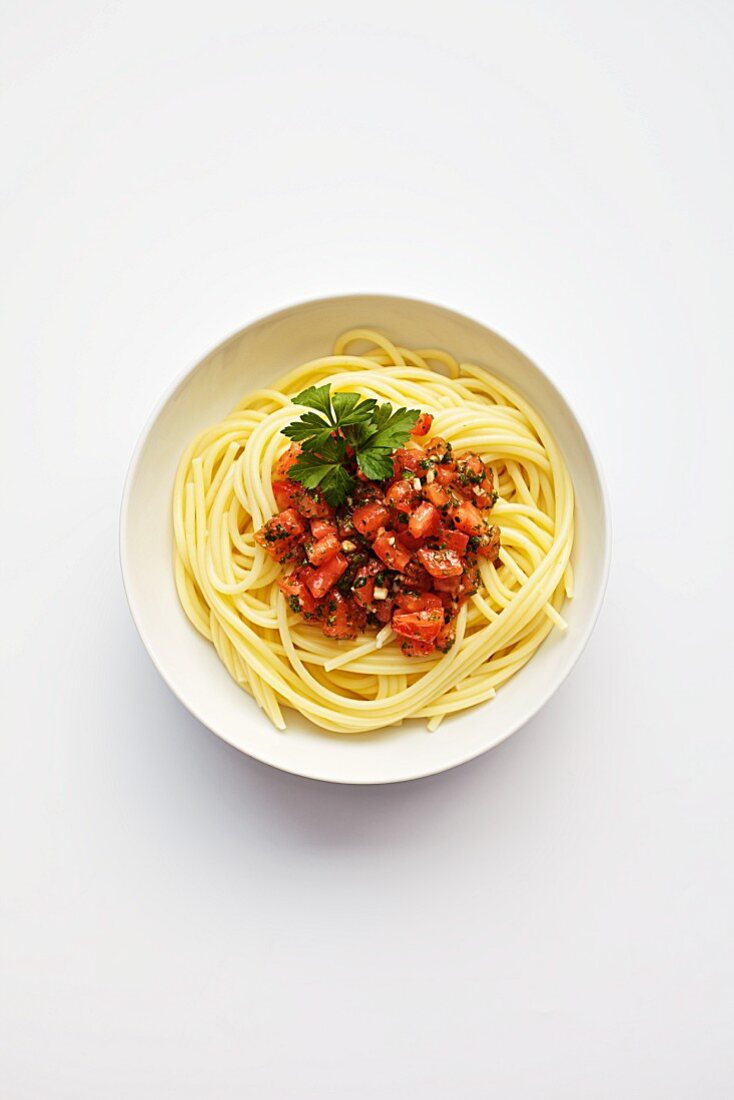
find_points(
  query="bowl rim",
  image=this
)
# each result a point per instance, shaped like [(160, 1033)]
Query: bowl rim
[(320, 775)]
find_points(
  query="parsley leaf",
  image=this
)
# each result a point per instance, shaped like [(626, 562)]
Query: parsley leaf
[(376, 465), (392, 429), (316, 397), (310, 426), (322, 472), (372, 432), (349, 408)]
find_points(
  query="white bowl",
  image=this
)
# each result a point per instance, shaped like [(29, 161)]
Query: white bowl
[(253, 357)]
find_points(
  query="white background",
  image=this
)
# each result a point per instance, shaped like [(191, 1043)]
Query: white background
[(553, 920)]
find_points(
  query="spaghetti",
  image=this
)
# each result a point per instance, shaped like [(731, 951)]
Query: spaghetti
[(228, 584)]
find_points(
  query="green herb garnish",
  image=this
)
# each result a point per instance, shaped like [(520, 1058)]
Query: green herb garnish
[(341, 421)]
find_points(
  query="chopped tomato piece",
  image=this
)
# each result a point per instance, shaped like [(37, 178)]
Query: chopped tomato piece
[(441, 563), (446, 637), (338, 622), (320, 528), (454, 540), (287, 493), (278, 536), (415, 576), (470, 469), (409, 458), (297, 594), (383, 610), (423, 424), (447, 585), (402, 495), (418, 601), (286, 460), (363, 586), (469, 581), (437, 495), (322, 579), (409, 542), (449, 602), (389, 550), (483, 494), (369, 518), (368, 491), (344, 525), (424, 521), (358, 614), (445, 474), (313, 504), (423, 626), (489, 544), (323, 550), (439, 449), (468, 518)]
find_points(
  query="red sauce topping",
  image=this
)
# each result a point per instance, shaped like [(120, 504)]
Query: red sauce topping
[(402, 551)]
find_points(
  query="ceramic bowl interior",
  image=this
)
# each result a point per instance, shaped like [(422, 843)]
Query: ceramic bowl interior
[(253, 358)]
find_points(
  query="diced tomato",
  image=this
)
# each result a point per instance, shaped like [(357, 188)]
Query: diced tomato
[(358, 614), (287, 493), (323, 550), (447, 585), (409, 542), (449, 602), (423, 626), (417, 601), (469, 581), (485, 497), (383, 610), (470, 469), (437, 495), (446, 637), (313, 505), (489, 544), (467, 517), (389, 550), (454, 540), (296, 593), (344, 525), (402, 496), (439, 449), (441, 563), (286, 460), (424, 521), (445, 474), (415, 576), (368, 490), (322, 579), (423, 424), (412, 647), (338, 623), (320, 528), (363, 586), (279, 535), (369, 518), (409, 458)]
